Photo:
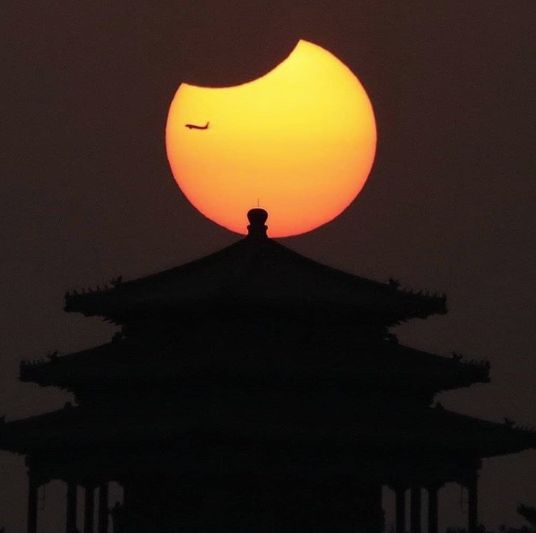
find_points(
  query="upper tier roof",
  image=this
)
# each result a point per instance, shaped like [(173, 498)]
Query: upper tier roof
[(256, 272)]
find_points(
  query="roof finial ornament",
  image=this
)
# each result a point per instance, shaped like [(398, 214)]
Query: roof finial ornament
[(257, 227)]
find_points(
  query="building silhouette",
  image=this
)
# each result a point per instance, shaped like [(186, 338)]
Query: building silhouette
[(255, 390)]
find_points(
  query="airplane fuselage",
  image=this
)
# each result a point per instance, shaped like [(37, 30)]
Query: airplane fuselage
[(196, 126)]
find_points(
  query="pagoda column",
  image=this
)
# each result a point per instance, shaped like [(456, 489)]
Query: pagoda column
[(89, 509), (432, 509), (415, 515), (33, 487), (103, 508), (400, 497), (472, 512), (70, 521)]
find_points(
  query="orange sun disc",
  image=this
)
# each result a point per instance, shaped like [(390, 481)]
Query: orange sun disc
[(299, 142)]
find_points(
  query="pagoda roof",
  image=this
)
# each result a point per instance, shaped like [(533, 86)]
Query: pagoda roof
[(255, 272), (433, 431), (383, 363)]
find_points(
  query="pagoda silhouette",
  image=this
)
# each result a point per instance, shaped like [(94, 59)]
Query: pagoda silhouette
[(255, 390)]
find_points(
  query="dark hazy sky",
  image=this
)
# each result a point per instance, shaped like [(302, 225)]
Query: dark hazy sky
[(86, 192)]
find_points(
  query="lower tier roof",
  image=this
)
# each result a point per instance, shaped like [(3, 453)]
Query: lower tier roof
[(427, 430)]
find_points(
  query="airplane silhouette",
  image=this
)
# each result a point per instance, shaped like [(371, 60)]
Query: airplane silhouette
[(196, 127)]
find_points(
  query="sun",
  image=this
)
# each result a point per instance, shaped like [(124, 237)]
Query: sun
[(299, 142)]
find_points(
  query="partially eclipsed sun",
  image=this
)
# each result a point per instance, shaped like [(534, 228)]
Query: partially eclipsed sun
[(298, 142)]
